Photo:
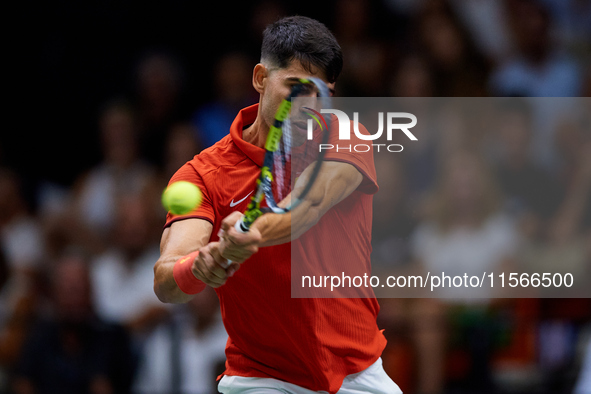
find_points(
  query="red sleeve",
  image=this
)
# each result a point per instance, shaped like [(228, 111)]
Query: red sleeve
[(205, 210), (360, 158)]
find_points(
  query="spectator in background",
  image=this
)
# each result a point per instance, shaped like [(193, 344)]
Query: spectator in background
[(181, 146), (555, 222), (160, 102), (573, 21), (538, 69), (460, 69), (365, 68), (446, 126), (565, 237), (233, 90), (122, 276), (393, 218), (464, 232), (583, 385), (564, 247), (185, 354), (73, 351), (121, 171), (412, 78), (18, 308), (21, 237), (487, 22), (532, 193), (22, 249), (573, 218), (393, 223)]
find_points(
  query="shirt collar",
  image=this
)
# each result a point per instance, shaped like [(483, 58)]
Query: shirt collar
[(247, 117)]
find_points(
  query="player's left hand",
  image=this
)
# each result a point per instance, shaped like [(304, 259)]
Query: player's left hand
[(234, 245)]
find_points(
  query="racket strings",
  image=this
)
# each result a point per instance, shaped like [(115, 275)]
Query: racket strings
[(295, 153), (289, 162)]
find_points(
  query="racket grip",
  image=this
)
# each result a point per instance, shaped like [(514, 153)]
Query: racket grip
[(240, 227)]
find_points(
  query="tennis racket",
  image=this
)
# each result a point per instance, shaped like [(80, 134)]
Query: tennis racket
[(292, 150)]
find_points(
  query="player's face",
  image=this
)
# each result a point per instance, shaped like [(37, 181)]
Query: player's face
[(278, 84)]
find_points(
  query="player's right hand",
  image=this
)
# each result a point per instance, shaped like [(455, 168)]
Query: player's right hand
[(211, 268)]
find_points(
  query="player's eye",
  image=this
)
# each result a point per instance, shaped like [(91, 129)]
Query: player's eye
[(307, 89)]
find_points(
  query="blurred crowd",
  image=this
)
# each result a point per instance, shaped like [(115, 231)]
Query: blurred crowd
[(77, 309), (470, 197)]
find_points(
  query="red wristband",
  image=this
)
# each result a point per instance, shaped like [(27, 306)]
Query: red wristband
[(183, 275)]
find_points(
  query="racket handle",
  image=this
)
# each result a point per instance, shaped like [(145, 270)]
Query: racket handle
[(240, 226)]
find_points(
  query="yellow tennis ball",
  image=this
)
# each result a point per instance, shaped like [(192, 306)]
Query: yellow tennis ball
[(181, 197)]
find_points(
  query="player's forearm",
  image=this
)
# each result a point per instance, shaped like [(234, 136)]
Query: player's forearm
[(165, 286), (334, 184), (275, 229), (180, 239), (278, 229)]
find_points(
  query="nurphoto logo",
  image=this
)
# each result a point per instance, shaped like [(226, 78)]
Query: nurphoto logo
[(392, 124)]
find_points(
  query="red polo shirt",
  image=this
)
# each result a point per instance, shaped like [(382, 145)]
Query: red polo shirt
[(310, 342)]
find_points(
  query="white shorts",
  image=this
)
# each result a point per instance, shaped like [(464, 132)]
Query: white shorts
[(372, 380)]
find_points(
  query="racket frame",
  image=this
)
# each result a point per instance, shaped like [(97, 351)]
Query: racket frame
[(265, 179)]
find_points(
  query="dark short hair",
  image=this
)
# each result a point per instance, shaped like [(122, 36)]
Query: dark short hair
[(303, 39)]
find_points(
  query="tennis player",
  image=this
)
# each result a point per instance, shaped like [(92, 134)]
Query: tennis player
[(279, 344)]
